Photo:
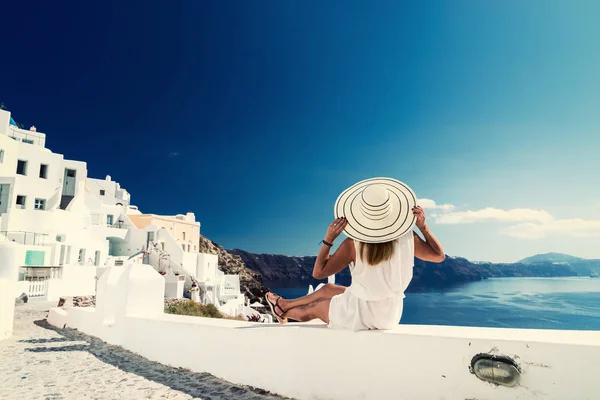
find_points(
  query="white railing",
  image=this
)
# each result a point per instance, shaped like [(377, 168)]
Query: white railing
[(37, 288), (28, 137), (162, 261), (24, 237)]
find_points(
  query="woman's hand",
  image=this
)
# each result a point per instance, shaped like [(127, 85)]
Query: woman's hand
[(420, 214), (334, 230)]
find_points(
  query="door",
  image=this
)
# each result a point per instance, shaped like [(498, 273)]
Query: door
[(69, 182), (61, 260), (4, 189)]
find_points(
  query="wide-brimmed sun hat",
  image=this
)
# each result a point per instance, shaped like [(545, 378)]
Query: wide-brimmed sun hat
[(377, 210)]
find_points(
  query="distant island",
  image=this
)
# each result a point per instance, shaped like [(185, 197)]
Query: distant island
[(550, 258)]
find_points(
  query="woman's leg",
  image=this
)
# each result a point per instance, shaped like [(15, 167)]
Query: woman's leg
[(326, 292), (317, 309)]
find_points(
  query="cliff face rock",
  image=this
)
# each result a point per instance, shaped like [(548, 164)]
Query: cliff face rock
[(251, 283), (284, 271), (77, 301)]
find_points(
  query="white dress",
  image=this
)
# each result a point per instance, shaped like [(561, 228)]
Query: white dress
[(374, 299)]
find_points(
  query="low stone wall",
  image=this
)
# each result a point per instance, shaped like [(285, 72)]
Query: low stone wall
[(77, 301)]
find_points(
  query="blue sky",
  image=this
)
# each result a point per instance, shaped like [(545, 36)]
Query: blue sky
[(257, 115)]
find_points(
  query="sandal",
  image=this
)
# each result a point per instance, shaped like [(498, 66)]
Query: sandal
[(274, 306)]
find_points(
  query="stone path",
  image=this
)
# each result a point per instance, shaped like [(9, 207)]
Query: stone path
[(41, 362)]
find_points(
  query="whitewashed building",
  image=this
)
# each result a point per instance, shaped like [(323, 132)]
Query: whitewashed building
[(110, 192), (168, 247), (68, 228), (44, 211)]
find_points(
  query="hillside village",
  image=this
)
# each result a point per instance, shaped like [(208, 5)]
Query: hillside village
[(65, 229)]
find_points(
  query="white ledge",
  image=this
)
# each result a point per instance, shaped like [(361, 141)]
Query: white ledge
[(311, 361)]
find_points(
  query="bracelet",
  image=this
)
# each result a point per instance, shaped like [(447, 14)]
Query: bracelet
[(326, 243)]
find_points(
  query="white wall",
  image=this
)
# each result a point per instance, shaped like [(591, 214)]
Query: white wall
[(189, 262), (9, 271), (135, 240), (171, 245), (234, 306), (31, 185), (4, 122), (410, 362), (8, 167), (113, 192), (77, 280), (206, 269)]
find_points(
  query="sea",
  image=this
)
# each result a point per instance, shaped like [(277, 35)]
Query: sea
[(530, 303)]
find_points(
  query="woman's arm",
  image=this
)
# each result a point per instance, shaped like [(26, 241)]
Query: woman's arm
[(429, 249), (327, 265)]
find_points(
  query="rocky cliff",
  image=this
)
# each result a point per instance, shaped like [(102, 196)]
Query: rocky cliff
[(251, 282)]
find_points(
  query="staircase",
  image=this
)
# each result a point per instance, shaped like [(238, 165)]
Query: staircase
[(65, 201), (162, 262)]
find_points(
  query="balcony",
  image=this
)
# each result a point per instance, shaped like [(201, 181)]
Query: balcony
[(25, 238), (102, 220), (29, 137)]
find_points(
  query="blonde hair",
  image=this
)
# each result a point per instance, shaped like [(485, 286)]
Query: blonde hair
[(376, 252)]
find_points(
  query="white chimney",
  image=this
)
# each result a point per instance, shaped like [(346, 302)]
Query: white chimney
[(108, 178), (33, 129)]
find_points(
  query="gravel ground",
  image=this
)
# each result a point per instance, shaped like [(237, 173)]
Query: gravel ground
[(41, 362)]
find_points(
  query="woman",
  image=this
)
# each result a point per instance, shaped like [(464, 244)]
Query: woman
[(378, 216)]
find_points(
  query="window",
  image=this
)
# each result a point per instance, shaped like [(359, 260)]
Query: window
[(194, 248), (102, 191), (43, 171), (183, 247), (71, 173), (21, 201), (22, 167), (40, 204), (28, 141), (189, 247), (1, 156), (183, 235), (97, 258), (109, 220), (81, 258)]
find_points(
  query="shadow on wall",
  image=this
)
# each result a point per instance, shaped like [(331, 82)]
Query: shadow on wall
[(197, 385)]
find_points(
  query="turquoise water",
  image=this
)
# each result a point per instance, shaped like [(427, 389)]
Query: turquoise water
[(531, 303)]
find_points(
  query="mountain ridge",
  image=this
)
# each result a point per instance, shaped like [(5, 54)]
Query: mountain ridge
[(278, 270)]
